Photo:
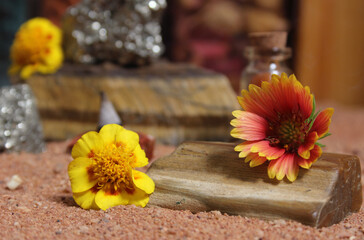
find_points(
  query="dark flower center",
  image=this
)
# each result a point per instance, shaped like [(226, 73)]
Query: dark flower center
[(288, 132)]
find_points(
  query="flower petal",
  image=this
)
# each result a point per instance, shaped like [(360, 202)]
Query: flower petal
[(265, 150), (289, 95), (305, 102), (141, 159), (244, 148), (304, 98), (107, 197), (109, 132), (249, 126), (286, 165), (257, 101), (28, 70), (292, 169), (53, 61), (314, 155), (80, 175), (281, 94), (128, 138), (255, 159), (322, 122), (86, 199), (143, 182), (139, 198), (308, 145), (89, 141)]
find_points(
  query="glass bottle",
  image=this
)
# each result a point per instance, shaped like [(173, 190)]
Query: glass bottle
[(263, 62)]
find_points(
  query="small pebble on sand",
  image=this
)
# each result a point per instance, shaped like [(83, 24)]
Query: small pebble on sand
[(14, 182)]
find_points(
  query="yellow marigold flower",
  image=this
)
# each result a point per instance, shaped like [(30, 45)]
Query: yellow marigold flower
[(103, 171), (36, 48), (280, 126)]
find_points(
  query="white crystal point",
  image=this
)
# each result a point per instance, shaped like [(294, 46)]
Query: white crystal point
[(108, 114)]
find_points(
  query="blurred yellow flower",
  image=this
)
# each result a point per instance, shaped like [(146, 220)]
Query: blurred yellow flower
[(103, 171), (36, 48)]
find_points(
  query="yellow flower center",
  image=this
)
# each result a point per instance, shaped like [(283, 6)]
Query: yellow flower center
[(113, 166)]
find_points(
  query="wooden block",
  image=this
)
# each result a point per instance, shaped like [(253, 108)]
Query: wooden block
[(205, 176), (173, 102)]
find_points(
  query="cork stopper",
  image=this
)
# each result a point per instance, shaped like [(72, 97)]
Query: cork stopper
[(268, 39)]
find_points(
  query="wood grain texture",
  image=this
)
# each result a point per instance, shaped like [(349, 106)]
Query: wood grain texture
[(173, 102), (205, 176), (330, 49)]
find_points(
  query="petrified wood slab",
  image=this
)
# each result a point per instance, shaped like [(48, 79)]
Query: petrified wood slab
[(173, 102), (205, 176)]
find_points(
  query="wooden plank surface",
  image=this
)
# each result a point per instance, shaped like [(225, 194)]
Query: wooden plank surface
[(206, 176), (173, 102)]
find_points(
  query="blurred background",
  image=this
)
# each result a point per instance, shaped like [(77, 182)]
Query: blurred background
[(326, 37)]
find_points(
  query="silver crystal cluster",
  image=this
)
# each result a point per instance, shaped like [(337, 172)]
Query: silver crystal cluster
[(124, 31), (20, 127)]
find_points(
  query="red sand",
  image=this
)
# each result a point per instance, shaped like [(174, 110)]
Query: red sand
[(43, 208)]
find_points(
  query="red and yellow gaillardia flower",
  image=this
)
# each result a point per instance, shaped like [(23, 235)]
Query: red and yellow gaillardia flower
[(36, 48), (103, 173), (279, 125)]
